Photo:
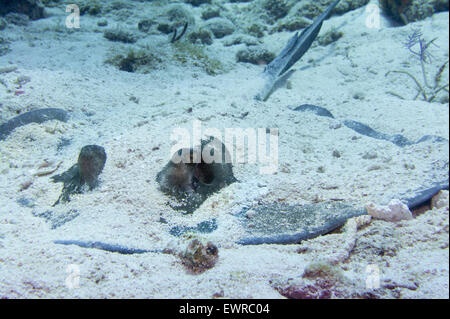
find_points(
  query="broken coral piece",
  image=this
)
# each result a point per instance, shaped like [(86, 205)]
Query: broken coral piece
[(393, 212)]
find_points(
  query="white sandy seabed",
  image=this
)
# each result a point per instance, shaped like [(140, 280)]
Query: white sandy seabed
[(132, 116)]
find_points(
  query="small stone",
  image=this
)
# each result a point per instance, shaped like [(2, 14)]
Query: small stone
[(250, 214), (220, 27), (440, 200), (335, 126), (320, 169), (261, 184), (102, 23), (370, 155), (336, 154), (285, 168), (255, 55), (359, 96)]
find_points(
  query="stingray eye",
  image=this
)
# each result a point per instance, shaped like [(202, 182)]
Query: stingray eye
[(211, 249)]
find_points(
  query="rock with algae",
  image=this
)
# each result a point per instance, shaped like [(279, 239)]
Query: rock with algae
[(406, 11), (320, 280), (394, 211), (199, 257), (34, 9), (90, 164)]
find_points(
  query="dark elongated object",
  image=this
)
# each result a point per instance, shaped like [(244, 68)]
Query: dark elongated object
[(35, 116), (105, 246), (174, 37), (292, 52)]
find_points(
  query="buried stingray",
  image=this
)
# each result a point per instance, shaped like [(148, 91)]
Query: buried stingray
[(192, 175), (188, 183), (278, 223)]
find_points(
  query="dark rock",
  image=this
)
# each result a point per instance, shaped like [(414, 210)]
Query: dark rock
[(34, 9), (203, 36)]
